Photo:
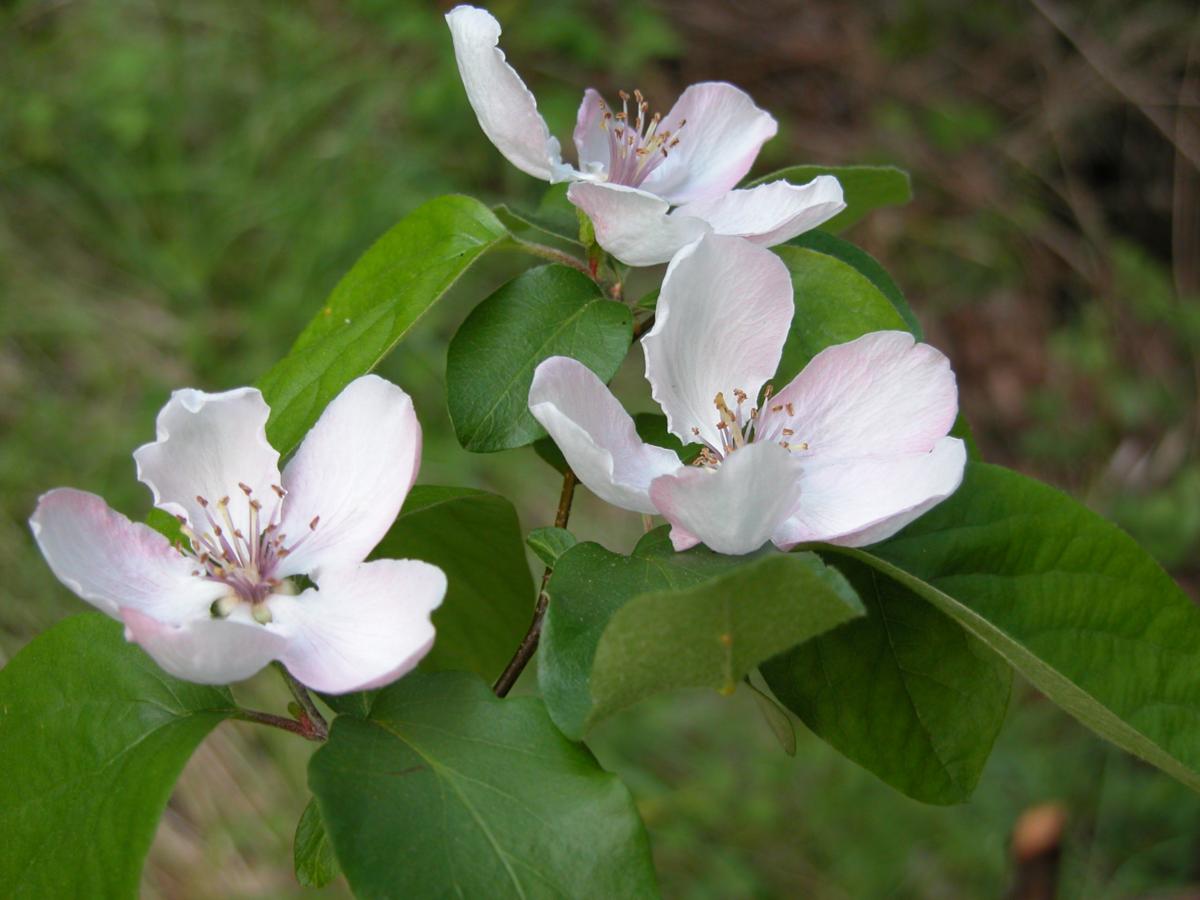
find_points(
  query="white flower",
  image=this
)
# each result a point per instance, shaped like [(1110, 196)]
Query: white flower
[(220, 607), (634, 166), (853, 449)]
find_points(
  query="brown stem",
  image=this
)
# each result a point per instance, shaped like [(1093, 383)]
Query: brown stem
[(529, 643), (307, 705), (304, 727)]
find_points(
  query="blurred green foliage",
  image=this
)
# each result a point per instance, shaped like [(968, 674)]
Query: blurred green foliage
[(182, 184)]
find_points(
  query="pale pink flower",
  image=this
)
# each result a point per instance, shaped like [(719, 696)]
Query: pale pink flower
[(634, 166), (220, 606), (853, 449)]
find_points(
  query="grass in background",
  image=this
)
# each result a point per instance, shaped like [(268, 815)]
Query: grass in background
[(182, 184)]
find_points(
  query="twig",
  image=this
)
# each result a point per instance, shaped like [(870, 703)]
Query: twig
[(529, 643)]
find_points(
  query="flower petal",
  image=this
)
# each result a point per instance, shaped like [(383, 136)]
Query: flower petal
[(632, 225), (880, 395), (596, 435), (363, 627), (112, 562), (206, 650), (717, 146), (734, 508), (506, 109), (770, 213), (591, 140), (862, 501), (722, 318), (350, 475), (208, 444)]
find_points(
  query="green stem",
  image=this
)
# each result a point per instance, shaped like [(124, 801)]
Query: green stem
[(552, 254)]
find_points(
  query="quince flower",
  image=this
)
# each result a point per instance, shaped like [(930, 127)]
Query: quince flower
[(219, 607), (853, 449), (634, 166)]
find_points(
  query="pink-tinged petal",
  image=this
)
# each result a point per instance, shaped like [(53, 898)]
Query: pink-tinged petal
[(596, 435), (112, 562), (720, 324), (204, 649), (861, 501), (770, 213), (591, 140), (506, 109), (717, 146), (350, 476), (632, 225), (880, 395), (363, 626), (208, 444), (734, 508)]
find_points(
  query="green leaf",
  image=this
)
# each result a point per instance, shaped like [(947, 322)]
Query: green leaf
[(447, 790), (530, 226), (390, 287), (1073, 604), (904, 691), (548, 311), (652, 428), (93, 736), (867, 265), (316, 866), (550, 543), (549, 453), (649, 300), (621, 628), (476, 539), (840, 297), (865, 188), (835, 303)]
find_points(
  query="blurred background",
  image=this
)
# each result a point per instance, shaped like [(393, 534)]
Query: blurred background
[(182, 184)]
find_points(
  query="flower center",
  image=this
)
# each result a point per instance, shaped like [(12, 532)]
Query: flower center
[(637, 145), (242, 559), (740, 426)]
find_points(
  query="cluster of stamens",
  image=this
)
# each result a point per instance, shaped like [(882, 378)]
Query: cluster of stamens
[(637, 146), (245, 560), (739, 426)]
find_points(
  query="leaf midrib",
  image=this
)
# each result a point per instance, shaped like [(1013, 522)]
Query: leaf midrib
[(1131, 738)]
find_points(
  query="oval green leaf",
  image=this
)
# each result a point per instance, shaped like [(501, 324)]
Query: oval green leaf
[(840, 297), (621, 628), (865, 188), (866, 265), (390, 287), (548, 311), (550, 543), (446, 790), (1070, 601), (315, 864), (835, 303), (904, 691), (93, 736)]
